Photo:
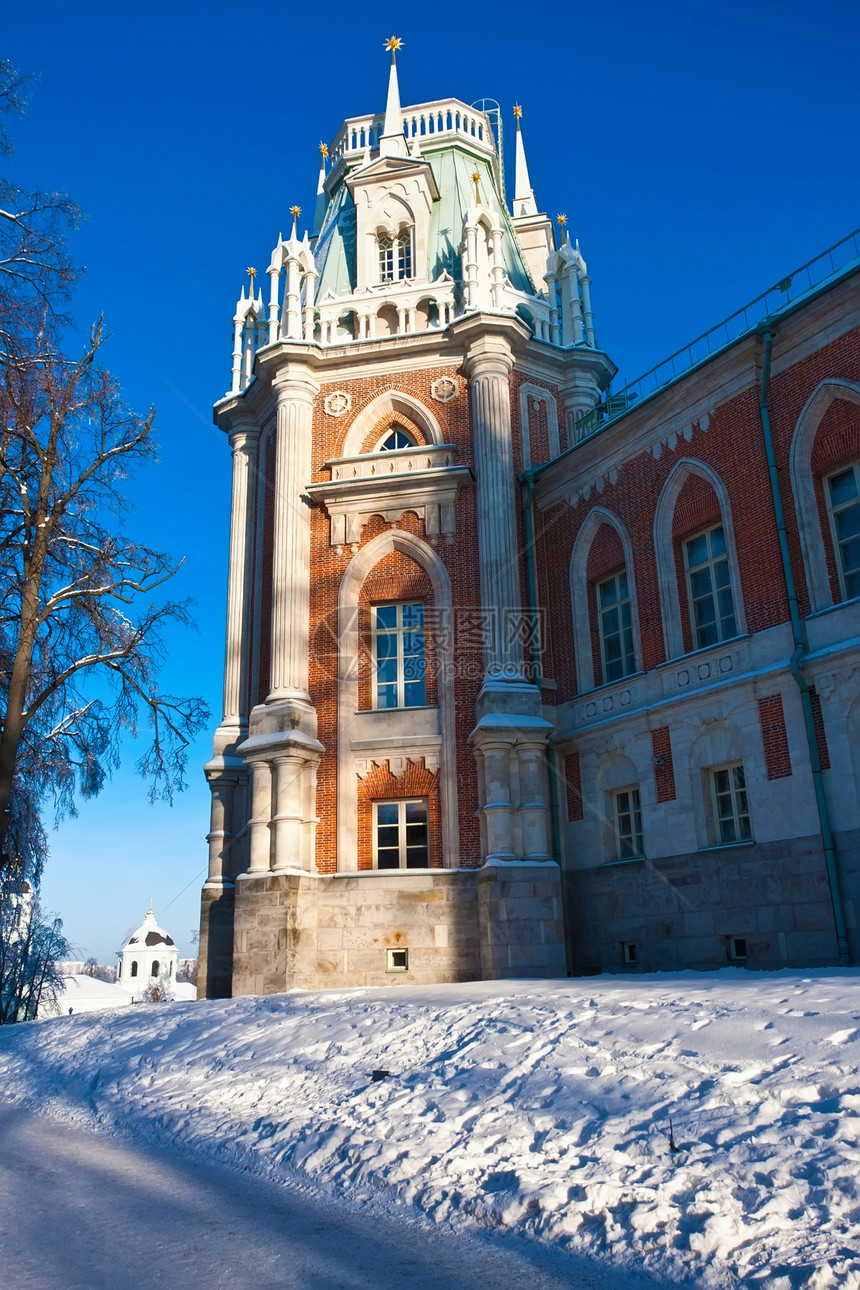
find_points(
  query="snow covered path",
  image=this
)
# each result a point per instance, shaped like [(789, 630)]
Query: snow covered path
[(537, 1106), (83, 1212)]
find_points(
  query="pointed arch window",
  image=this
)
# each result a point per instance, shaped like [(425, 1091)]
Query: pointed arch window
[(843, 503)]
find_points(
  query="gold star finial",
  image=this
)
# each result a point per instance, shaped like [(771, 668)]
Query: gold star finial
[(518, 112), (393, 43), (562, 219), (295, 211), (252, 273), (323, 150), (476, 179)]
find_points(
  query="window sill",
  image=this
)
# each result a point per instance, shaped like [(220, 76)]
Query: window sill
[(608, 685), (726, 846), (831, 609), (614, 864), (705, 649), (418, 707)]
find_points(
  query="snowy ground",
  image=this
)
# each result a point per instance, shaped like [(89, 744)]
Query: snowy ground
[(543, 1106)]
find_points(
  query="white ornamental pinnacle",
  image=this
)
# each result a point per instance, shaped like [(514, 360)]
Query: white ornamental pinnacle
[(444, 390), (337, 403)]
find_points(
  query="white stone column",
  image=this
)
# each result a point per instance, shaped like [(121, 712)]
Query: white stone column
[(488, 365), (310, 297), (219, 836), (498, 809), (585, 284), (261, 811), (551, 292), (244, 440), (498, 269), (292, 537), (274, 272), (286, 823), (534, 807), (237, 355), (292, 314)]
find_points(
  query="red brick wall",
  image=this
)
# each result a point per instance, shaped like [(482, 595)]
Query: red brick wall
[(573, 780), (327, 569), (664, 769), (733, 448), (777, 757), (820, 733), (380, 785)]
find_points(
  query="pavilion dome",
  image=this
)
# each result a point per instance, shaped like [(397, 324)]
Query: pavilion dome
[(148, 955)]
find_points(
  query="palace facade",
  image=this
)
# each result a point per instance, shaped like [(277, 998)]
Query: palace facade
[(524, 676)]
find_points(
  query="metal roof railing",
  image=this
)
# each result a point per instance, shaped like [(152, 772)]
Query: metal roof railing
[(829, 264)]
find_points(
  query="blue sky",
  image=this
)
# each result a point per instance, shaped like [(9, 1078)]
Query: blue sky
[(701, 152)]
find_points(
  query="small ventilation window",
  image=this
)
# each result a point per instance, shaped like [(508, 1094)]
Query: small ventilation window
[(738, 949), (629, 952), (398, 960)]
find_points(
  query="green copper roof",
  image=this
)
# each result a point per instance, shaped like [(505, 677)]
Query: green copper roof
[(335, 249), (452, 168)]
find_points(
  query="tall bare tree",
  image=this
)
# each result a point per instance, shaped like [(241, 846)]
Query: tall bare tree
[(81, 642)]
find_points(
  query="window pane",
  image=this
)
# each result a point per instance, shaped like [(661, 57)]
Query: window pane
[(697, 550), (386, 696), (700, 582), (386, 812), (608, 592), (387, 835), (388, 859), (386, 645), (414, 694), (718, 542), (848, 523), (413, 615), (416, 813), (843, 486), (416, 858), (386, 616)]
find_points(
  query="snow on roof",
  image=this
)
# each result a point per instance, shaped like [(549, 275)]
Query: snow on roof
[(148, 934)]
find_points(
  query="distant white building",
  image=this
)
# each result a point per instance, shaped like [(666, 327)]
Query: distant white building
[(149, 954)]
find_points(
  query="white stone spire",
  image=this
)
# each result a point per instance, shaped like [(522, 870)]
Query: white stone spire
[(524, 199), (321, 203), (391, 142)]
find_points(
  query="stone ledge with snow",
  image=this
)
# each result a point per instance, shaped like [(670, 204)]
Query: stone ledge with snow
[(540, 1106)]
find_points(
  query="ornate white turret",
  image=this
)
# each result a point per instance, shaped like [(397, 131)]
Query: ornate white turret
[(248, 334), (383, 257), (569, 292), (481, 255)]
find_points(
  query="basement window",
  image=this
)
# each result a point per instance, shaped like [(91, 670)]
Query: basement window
[(629, 952), (398, 960), (738, 949)]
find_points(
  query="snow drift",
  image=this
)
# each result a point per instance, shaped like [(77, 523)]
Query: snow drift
[(543, 1106)]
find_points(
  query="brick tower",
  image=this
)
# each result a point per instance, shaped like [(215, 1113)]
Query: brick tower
[(381, 786)]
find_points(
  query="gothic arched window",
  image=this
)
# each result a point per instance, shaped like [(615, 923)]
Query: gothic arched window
[(395, 256)]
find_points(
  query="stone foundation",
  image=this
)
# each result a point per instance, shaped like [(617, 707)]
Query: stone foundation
[(303, 930), (680, 912)]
